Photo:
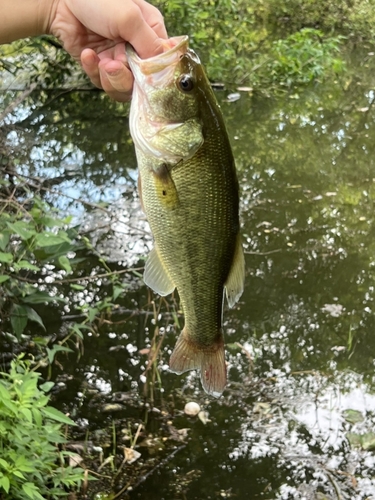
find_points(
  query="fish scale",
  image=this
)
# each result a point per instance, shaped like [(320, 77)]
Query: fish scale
[(194, 237), (189, 192)]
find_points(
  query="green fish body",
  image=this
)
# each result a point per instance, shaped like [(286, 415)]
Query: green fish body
[(189, 191)]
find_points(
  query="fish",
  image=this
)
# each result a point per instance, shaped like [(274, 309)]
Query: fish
[(189, 192)]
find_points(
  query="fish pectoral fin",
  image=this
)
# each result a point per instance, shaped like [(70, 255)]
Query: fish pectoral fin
[(210, 360), (155, 275), (234, 284), (165, 187)]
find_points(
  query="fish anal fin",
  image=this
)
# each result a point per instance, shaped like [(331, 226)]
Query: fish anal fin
[(234, 284), (210, 360), (155, 275)]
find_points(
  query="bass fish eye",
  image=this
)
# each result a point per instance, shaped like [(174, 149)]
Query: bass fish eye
[(185, 83)]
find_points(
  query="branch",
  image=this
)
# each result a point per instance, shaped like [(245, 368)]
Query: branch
[(17, 101)]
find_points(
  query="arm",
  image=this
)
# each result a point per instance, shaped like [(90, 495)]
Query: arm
[(23, 18)]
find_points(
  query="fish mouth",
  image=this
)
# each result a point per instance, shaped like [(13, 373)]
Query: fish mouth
[(151, 77), (174, 49)]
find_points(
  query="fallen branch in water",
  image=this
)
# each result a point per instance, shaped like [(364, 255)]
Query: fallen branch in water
[(263, 253)]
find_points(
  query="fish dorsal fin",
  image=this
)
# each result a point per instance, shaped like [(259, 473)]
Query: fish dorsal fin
[(155, 275), (234, 284)]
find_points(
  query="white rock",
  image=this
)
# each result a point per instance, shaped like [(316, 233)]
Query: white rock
[(192, 409)]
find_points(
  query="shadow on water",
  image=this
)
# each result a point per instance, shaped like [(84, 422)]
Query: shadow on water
[(297, 419)]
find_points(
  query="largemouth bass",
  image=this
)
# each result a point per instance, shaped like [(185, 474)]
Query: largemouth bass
[(189, 193)]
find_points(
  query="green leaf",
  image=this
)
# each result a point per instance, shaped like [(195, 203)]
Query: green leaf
[(24, 464), (27, 414), (42, 401), (117, 290), (18, 474), (54, 414), (47, 386), (6, 257), (77, 287), (41, 298), (18, 319), (5, 483), (353, 416), (354, 439), (34, 316), (50, 221), (37, 417), (24, 264), (368, 441), (49, 239), (77, 329), (65, 263), (3, 277), (4, 240), (56, 348), (31, 491), (4, 464), (91, 313), (22, 229), (11, 406), (4, 393)]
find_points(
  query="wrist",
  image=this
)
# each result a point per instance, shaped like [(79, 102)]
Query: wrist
[(24, 18)]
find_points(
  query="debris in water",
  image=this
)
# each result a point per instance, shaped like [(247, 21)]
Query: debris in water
[(192, 409), (203, 417), (233, 97), (131, 455)]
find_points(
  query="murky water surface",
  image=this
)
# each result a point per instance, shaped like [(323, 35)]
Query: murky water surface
[(297, 419)]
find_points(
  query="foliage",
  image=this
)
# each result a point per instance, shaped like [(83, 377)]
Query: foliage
[(355, 19), (40, 59), (302, 58), (237, 43), (31, 464), (31, 236), (235, 39), (43, 270), (38, 250)]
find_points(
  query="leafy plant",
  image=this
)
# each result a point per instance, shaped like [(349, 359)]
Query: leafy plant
[(303, 57), (32, 466), (237, 43), (33, 239), (235, 39)]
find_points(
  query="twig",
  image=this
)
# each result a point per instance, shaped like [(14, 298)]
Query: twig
[(79, 200), (335, 485), (82, 278), (263, 253), (17, 101), (163, 462)]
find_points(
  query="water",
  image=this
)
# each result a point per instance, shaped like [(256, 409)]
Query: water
[(297, 419)]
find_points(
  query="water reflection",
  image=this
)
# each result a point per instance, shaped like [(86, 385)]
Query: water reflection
[(305, 322)]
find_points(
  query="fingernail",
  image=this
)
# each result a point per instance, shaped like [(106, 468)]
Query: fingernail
[(114, 73)]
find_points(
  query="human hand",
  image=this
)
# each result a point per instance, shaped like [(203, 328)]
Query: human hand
[(95, 33)]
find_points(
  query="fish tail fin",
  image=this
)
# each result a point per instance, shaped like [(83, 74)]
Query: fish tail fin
[(210, 360)]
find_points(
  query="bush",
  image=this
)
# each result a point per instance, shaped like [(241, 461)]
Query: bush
[(31, 464)]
